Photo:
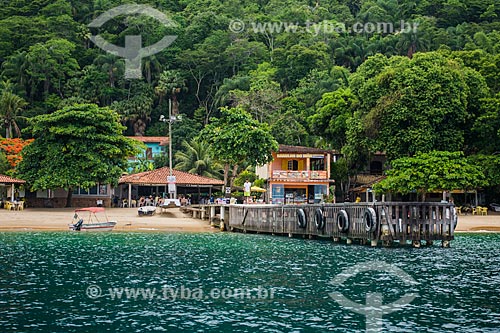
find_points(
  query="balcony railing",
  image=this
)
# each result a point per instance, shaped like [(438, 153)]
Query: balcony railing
[(300, 175)]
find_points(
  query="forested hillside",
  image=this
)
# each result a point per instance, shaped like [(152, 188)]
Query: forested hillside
[(435, 87)]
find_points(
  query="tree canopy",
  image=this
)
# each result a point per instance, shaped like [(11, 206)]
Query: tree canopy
[(236, 138), (431, 172), (79, 145)]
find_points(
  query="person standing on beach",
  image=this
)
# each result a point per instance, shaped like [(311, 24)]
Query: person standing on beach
[(247, 188)]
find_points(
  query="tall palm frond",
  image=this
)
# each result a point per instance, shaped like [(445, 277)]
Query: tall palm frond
[(195, 158)]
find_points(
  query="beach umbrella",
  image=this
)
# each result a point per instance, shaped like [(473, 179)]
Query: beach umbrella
[(257, 189)]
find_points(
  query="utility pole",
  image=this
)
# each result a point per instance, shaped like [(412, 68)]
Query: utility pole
[(172, 189), (170, 120)]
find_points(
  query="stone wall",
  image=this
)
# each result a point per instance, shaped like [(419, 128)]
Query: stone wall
[(77, 202)]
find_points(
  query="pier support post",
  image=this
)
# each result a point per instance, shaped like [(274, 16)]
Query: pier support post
[(349, 241), (445, 243), (311, 237), (429, 242), (222, 213), (212, 215), (336, 239), (290, 235), (374, 243), (202, 213), (416, 244)]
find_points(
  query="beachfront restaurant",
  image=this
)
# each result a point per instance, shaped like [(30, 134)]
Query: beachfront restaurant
[(155, 183), (9, 189)]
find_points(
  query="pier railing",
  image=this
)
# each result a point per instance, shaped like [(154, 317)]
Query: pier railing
[(386, 222)]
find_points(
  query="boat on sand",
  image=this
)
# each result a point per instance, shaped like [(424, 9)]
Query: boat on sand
[(87, 219)]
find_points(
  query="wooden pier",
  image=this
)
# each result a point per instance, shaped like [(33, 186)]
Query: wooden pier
[(380, 223)]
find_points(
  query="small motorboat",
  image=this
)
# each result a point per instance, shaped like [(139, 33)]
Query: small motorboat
[(91, 221), (171, 203), (146, 210)]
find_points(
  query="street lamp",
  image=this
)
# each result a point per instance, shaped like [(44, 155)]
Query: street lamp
[(170, 120)]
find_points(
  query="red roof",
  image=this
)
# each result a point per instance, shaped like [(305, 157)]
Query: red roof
[(9, 180), (159, 176), (162, 140)]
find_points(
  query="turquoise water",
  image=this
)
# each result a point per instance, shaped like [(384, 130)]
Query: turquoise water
[(63, 282)]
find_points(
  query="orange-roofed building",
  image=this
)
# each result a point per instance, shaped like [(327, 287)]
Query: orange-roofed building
[(155, 183), (298, 174), (7, 187)]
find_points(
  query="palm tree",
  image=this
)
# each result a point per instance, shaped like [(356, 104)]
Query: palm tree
[(195, 159), (171, 83), (10, 107)]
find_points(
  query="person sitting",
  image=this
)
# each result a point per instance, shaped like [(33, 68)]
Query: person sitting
[(142, 201)]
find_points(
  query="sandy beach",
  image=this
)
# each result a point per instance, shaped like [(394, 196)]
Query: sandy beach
[(171, 221), (127, 220), (475, 223)]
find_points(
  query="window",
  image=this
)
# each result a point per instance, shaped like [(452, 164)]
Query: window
[(103, 189), (376, 168), (99, 189), (317, 164), (293, 165), (93, 190), (149, 153)]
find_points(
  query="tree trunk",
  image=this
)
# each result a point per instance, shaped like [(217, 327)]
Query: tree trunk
[(69, 198), (175, 105), (226, 174), (8, 131), (233, 175)]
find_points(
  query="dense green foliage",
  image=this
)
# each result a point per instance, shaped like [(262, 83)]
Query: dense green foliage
[(410, 91), (75, 146), (428, 172), (196, 158), (236, 138)]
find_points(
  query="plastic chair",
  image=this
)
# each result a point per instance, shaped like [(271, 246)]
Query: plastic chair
[(483, 210)]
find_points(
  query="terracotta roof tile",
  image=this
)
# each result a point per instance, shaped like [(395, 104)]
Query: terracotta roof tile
[(9, 180), (159, 176), (162, 140)]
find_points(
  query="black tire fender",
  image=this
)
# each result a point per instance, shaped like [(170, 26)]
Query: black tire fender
[(342, 221), (301, 218), (319, 219), (370, 219)]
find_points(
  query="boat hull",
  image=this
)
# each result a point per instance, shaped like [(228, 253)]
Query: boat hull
[(100, 226)]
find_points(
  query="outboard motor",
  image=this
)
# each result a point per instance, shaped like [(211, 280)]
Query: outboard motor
[(78, 225)]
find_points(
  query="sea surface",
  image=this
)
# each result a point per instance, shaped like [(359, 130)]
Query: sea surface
[(227, 282)]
